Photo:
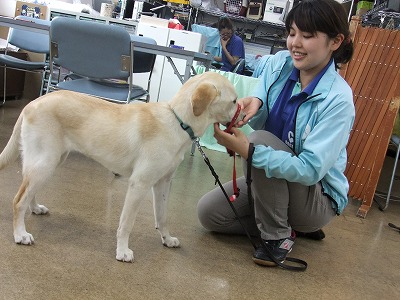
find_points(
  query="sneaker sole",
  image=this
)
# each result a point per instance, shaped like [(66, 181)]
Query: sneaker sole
[(265, 263)]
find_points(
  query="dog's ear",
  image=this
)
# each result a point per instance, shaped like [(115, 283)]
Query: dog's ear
[(202, 96)]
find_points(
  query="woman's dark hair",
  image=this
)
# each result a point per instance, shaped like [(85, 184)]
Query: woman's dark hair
[(224, 22), (327, 16)]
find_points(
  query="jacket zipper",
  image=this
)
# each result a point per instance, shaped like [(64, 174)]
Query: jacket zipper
[(266, 100), (295, 119)]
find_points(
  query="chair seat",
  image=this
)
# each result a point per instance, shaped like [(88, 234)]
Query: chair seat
[(118, 92), (13, 62)]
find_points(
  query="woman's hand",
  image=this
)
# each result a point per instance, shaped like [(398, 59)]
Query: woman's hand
[(237, 141), (250, 106), (224, 42)]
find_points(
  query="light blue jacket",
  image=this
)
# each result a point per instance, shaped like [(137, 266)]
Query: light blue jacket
[(322, 127)]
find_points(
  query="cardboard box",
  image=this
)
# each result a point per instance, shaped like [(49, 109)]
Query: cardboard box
[(31, 10)]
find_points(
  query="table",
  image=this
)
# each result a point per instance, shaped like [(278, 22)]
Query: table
[(24, 25), (169, 53)]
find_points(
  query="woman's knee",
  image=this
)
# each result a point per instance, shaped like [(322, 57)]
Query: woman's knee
[(266, 138), (203, 211), (208, 209)]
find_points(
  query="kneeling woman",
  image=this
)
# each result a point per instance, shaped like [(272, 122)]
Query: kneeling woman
[(302, 112)]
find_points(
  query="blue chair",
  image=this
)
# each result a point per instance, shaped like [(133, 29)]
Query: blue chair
[(29, 41), (100, 58)]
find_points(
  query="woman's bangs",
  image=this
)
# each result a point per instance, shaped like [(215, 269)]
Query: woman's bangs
[(305, 18)]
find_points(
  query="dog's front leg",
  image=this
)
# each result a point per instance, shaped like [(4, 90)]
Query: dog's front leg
[(160, 202), (135, 194)]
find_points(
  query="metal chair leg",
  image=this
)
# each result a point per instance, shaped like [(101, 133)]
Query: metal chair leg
[(393, 178), (5, 85)]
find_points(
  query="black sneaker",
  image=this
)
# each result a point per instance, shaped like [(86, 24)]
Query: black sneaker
[(278, 248), (315, 235)]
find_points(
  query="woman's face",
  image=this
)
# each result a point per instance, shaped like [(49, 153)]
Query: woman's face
[(226, 34), (311, 52)]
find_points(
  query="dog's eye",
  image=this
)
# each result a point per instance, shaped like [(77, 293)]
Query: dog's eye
[(234, 101)]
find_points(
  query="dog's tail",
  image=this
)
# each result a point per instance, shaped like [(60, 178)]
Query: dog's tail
[(11, 151)]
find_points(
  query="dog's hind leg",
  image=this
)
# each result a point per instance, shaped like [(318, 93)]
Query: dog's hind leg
[(22, 201), (38, 209), (34, 177), (161, 192)]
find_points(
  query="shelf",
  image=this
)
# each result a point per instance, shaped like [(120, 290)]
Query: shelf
[(379, 16), (242, 19)]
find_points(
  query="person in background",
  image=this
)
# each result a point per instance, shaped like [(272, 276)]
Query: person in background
[(302, 112), (231, 44)]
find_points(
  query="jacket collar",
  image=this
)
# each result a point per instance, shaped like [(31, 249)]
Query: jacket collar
[(323, 86)]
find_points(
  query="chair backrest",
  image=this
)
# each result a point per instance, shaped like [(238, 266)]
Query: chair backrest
[(28, 40), (143, 62), (91, 49)]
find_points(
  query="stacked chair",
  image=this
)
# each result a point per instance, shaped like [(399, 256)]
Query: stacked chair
[(100, 60), (29, 41)]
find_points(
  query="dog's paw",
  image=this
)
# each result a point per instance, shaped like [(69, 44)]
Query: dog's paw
[(39, 209), (24, 239), (171, 242), (125, 256)]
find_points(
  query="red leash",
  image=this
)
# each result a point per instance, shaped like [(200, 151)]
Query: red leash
[(236, 190)]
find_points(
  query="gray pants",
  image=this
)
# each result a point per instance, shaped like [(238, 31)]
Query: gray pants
[(279, 205)]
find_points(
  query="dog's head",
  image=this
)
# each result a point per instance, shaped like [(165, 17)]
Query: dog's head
[(212, 99)]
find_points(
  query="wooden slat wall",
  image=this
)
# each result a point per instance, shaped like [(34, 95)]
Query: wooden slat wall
[(374, 76)]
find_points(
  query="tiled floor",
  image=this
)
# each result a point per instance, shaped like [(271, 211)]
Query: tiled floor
[(74, 252)]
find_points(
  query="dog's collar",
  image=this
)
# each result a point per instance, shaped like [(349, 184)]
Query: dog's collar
[(185, 127)]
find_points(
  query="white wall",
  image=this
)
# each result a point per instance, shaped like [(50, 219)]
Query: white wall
[(7, 8)]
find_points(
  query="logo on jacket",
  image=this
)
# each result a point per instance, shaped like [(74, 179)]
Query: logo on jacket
[(290, 139)]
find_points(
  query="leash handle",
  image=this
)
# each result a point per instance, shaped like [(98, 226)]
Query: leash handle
[(234, 119), (236, 190), (230, 125)]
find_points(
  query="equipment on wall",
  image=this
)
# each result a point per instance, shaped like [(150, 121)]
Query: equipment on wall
[(254, 10), (276, 10)]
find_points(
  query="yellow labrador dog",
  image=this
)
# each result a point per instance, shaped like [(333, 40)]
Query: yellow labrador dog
[(127, 139)]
